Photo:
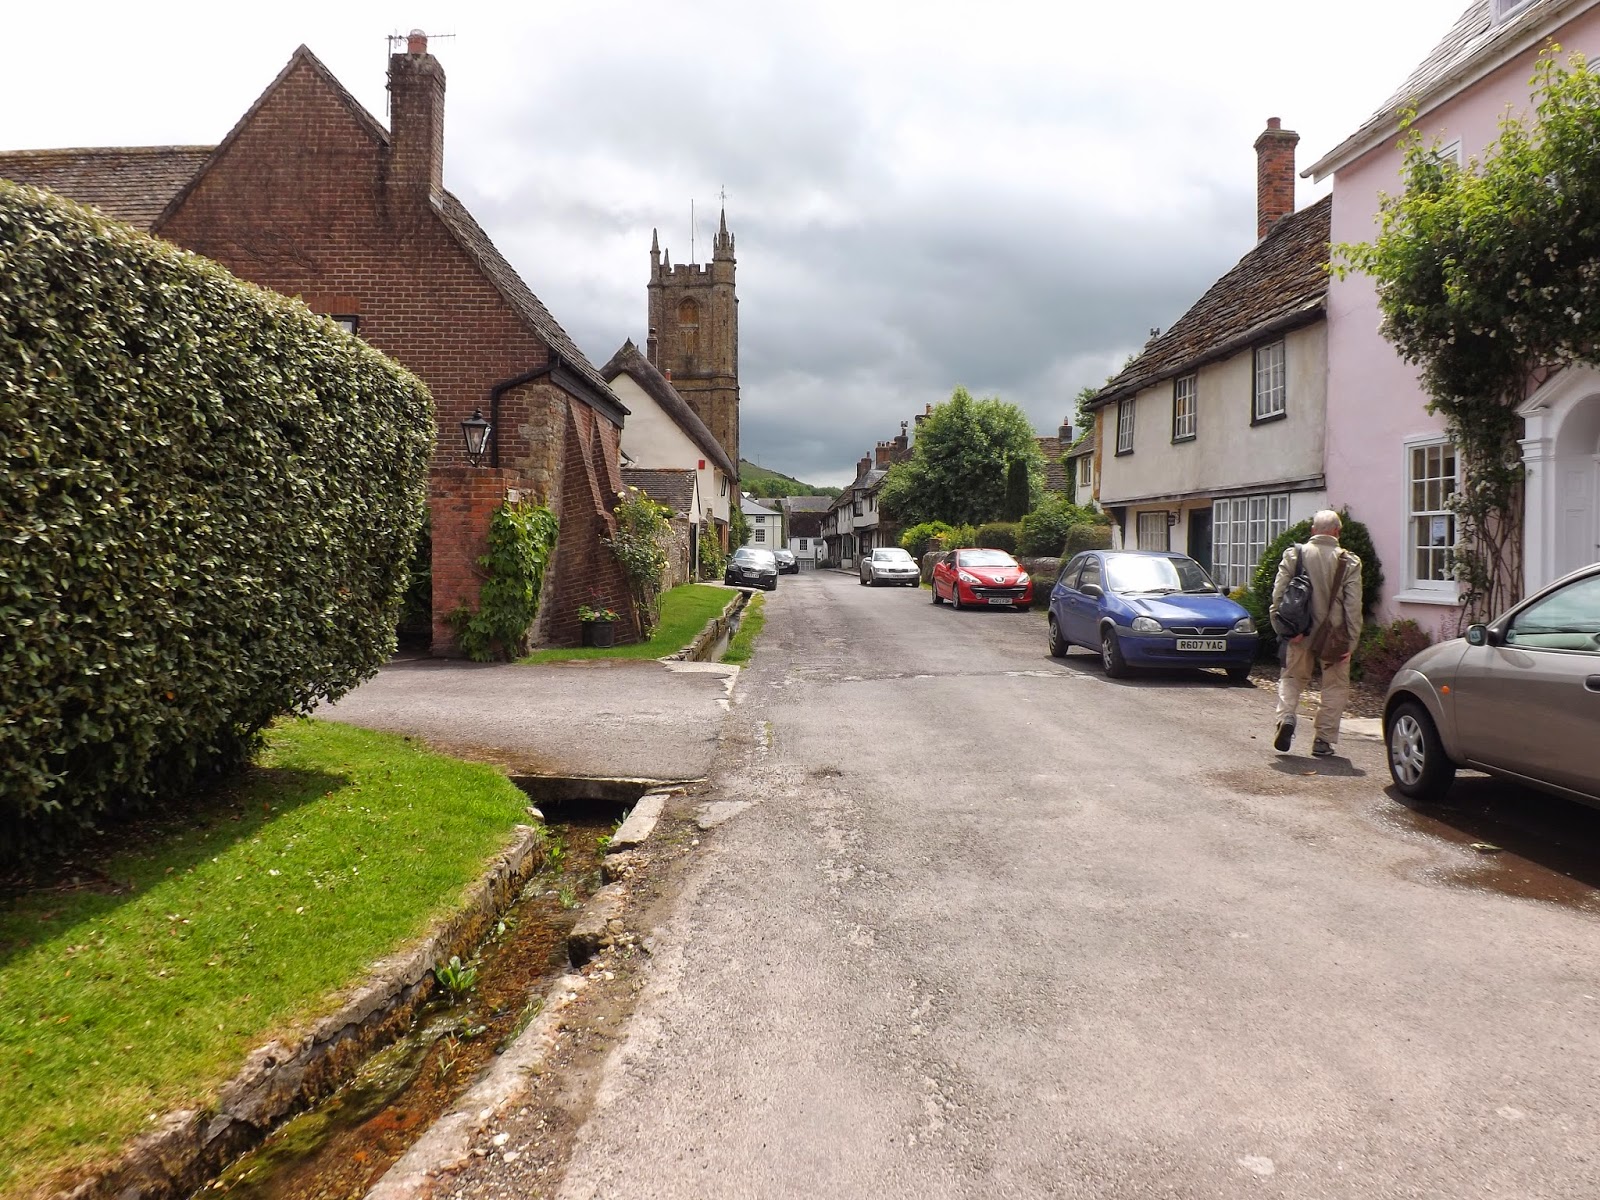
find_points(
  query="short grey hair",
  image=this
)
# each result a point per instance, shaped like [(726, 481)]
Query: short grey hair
[(1326, 521)]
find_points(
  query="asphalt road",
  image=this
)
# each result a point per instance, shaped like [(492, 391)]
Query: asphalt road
[(997, 926)]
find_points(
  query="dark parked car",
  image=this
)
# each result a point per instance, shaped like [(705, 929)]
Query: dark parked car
[(1149, 608), (1519, 697), (750, 567), (788, 564)]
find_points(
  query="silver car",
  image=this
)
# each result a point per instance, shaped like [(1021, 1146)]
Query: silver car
[(890, 564), (1519, 697)]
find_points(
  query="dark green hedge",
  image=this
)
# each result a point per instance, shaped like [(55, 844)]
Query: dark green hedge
[(1354, 537), (209, 497)]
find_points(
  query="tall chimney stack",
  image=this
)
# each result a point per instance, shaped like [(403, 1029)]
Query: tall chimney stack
[(1274, 175), (416, 117)]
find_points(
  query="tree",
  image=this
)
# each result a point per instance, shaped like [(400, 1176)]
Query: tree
[(1488, 277), (961, 461)]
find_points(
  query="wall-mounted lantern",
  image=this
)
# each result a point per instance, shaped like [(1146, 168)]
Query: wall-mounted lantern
[(475, 432)]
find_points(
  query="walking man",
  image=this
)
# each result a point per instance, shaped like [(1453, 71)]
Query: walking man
[(1335, 577)]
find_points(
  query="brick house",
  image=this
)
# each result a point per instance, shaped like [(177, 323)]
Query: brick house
[(309, 195)]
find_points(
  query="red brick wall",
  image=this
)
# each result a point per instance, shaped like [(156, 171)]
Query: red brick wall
[(304, 201)]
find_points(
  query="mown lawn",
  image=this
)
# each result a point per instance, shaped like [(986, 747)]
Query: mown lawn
[(684, 612), (142, 989), (750, 626)]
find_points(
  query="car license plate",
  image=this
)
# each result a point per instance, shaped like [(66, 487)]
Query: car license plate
[(999, 600), (1202, 643)]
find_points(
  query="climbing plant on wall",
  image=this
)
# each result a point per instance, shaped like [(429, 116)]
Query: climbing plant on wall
[(1488, 277), (522, 539)]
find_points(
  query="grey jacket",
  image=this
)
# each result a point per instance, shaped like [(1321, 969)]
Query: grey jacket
[(1341, 613)]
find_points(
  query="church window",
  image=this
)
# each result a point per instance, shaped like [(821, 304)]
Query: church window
[(689, 330)]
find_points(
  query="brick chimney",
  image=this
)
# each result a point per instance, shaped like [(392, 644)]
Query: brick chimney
[(1064, 434), (902, 443), (1274, 175), (416, 117), (863, 466), (881, 453)]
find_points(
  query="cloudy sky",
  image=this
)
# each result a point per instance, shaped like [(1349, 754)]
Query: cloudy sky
[(1006, 196)]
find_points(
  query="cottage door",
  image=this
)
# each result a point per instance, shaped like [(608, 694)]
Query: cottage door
[(1200, 537)]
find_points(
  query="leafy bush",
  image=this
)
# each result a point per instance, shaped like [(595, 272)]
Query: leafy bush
[(1086, 537), (1384, 649), (209, 500), (1354, 537), (640, 544), (1044, 530), (522, 540), (936, 535), (997, 535), (713, 562)]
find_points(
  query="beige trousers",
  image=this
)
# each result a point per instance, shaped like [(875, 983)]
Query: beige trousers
[(1335, 690)]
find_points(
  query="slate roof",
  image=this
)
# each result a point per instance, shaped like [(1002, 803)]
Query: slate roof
[(127, 183), (1473, 37), (805, 504), (1280, 284), (754, 507), (806, 524), (674, 488), (1084, 445), (630, 362)]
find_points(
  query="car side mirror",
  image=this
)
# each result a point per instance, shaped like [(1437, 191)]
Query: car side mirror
[(1484, 635), (1093, 590)]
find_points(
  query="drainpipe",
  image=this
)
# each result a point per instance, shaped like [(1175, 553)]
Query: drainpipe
[(500, 389)]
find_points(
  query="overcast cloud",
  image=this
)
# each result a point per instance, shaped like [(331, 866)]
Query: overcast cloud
[(1006, 197)]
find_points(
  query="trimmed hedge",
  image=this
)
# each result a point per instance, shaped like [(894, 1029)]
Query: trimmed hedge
[(209, 499), (997, 535), (1354, 537), (1045, 529)]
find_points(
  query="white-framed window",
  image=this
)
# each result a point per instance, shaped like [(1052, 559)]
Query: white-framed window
[(1430, 525), (1125, 426), (758, 535), (1241, 528), (803, 544), (1505, 9), (1271, 383), (1086, 471), (350, 324), (1184, 411), (1154, 532)]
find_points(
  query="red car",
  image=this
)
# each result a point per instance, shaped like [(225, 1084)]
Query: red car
[(981, 579)]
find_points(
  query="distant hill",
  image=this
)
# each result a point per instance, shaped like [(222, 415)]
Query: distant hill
[(760, 482)]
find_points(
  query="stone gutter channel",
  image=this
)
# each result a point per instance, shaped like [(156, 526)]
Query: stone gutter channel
[(190, 1147)]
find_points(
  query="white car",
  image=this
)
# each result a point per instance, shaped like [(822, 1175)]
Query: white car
[(890, 564)]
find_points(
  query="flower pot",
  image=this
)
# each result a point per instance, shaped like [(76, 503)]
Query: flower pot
[(600, 634)]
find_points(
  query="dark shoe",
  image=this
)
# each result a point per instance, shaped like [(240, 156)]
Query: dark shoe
[(1321, 748), (1285, 737)]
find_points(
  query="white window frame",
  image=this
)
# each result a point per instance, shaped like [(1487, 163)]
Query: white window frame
[(1125, 425), (1086, 471), (1185, 407), (803, 545), (1242, 527), (1153, 531), (1270, 382), (1446, 590), (758, 534), (1504, 10)]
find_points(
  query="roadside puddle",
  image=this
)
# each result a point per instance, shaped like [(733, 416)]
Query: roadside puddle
[(340, 1148)]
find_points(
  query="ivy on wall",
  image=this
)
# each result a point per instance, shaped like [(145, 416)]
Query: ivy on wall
[(209, 498), (522, 540)]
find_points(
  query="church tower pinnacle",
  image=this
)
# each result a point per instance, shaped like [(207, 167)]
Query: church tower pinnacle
[(694, 326)]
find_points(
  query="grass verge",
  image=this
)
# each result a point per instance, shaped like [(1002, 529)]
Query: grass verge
[(755, 616), (684, 612), (143, 989)]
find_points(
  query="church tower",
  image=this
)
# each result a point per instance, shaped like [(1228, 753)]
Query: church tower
[(694, 334)]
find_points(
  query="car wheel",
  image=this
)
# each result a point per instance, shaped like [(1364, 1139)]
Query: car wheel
[(862, 580), (1417, 762), (955, 597), (1111, 654), (1058, 644), (1238, 674), (934, 588)]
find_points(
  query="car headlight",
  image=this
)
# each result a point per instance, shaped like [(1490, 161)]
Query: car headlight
[(1245, 625), (971, 580), (1145, 625)]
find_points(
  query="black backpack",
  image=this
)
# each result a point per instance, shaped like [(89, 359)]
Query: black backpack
[(1292, 615)]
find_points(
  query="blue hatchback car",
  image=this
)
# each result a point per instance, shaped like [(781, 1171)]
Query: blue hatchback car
[(1148, 608)]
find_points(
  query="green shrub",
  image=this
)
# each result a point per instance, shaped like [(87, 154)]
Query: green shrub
[(997, 535), (1384, 649), (936, 535), (713, 562), (1086, 537), (640, 544), (209, 500), (1044, 530), (1354, 537), (522, 540)]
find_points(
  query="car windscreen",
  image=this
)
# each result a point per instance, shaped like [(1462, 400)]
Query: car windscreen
[(898, 556), (986, 558), (1142, 573), (757, 558)]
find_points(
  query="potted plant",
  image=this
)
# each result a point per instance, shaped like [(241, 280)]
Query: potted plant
[(599, 626)]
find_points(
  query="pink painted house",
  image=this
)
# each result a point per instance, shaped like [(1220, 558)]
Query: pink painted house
[(1387, 459)]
